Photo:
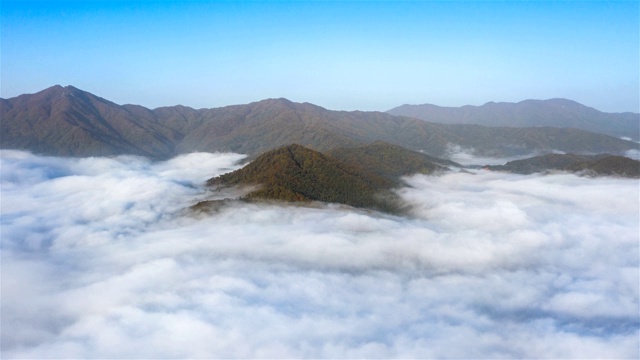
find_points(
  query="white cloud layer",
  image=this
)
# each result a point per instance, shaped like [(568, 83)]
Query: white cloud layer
[(100, 260)]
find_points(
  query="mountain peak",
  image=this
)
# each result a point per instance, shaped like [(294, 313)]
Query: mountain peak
[(552, 102), (73, 89), (49, 94), (58, 91), (56, 87), (275, 101), (297, 173)]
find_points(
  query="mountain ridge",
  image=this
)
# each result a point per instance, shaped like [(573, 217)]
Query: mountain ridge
[(390, 161), (67, 121), (593, 165), (557, 112)]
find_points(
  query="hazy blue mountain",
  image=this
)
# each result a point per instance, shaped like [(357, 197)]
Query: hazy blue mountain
[(561, 113)]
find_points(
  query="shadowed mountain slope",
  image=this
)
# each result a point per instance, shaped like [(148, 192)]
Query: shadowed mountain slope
[(595, 165), (561, 113), (67, 121), (295, 173), (264, 125), (390, 161)]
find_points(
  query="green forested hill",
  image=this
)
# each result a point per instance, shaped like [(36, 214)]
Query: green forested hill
[(295, 173)]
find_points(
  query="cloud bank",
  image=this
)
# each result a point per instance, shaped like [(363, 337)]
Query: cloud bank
[(101, 260)]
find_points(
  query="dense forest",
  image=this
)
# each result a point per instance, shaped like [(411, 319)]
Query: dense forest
[(295, 173)]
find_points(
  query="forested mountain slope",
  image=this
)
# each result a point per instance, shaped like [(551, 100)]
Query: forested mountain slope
[(391, 161), (297, 174), (70, 122)]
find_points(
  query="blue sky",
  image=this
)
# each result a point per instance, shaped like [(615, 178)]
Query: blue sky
[(339, 55)]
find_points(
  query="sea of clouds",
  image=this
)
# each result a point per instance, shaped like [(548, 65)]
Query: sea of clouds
[(101, 259)]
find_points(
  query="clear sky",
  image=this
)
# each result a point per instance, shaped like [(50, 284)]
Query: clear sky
[(339, 55)]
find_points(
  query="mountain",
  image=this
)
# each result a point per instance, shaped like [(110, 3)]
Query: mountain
[(264, 125), (596, 165), (608, 166), (390, 161), (70, 122), (295, 173), (501, 141), (560, 113)]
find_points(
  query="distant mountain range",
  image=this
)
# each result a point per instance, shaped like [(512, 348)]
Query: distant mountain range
[(67, 121), (561, 113)]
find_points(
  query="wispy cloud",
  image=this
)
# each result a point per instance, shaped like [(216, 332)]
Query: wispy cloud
[(633, 154), (467, 156), (100, 259)]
